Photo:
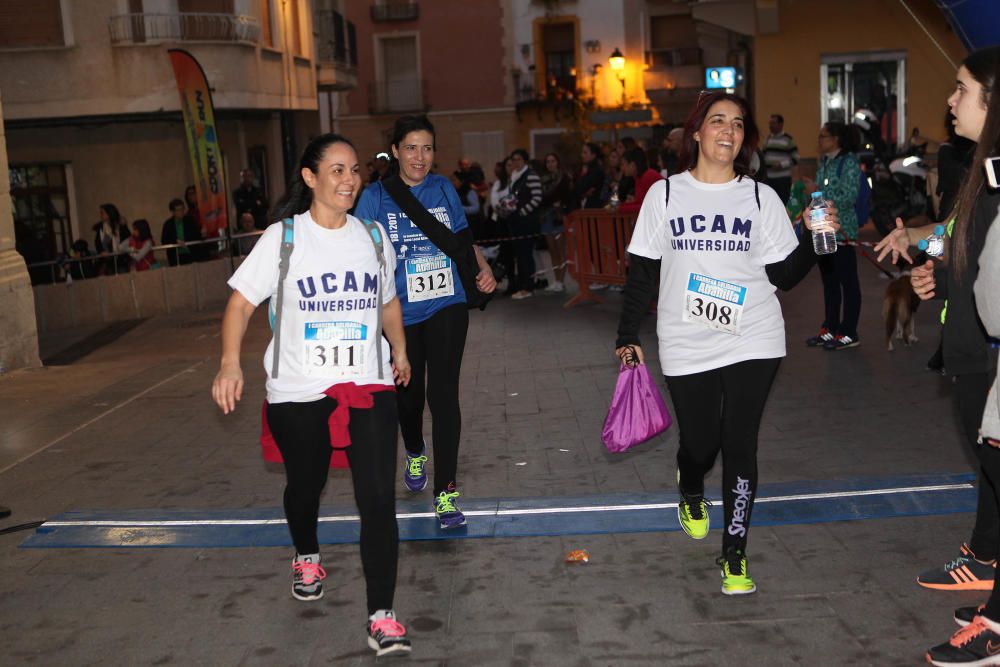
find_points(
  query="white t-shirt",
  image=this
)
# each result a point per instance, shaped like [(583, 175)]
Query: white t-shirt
[(330, 299), (716, 306)]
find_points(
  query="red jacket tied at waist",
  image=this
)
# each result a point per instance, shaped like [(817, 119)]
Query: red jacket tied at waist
[(347, 395)]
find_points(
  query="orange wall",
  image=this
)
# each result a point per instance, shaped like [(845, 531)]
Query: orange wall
[(461, 53), (786, 72)]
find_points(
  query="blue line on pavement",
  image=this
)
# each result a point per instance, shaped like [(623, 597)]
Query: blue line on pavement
[(777, 504)]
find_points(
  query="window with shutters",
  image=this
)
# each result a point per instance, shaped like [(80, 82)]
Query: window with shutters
[(294, 28), (31, 23), (266, 38), (399, 87)]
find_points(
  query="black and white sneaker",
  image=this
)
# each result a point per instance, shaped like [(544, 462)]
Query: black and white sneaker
[(386, 635), (307, 577)]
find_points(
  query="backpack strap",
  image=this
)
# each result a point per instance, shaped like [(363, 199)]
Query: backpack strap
[(375, 234), (666, 193), (756, 192), (285, 256)]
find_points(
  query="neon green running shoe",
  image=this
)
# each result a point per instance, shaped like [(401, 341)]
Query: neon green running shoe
[(447, 512), (735, 580), (692, 512)]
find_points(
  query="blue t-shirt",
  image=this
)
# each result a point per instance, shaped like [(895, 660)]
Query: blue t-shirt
[(426, 279)]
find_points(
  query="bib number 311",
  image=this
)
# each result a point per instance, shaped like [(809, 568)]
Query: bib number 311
[(334, 349), (714, 304)]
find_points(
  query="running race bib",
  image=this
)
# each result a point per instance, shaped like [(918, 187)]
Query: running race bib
[(335, 349), (714, 303), (429, 278)]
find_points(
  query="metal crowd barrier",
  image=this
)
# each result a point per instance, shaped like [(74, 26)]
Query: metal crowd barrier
[(59, 268), (596, 243)]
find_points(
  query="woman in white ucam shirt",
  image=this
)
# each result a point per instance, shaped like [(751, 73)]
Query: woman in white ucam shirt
[(333, 368), (717, 244)]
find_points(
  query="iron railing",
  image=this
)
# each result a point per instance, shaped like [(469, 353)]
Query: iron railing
[(673, 57), (183, 26), (395, 10), (92, 266), (335, 42)]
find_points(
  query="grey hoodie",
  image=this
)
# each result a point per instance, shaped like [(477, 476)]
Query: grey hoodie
[(987, 291)]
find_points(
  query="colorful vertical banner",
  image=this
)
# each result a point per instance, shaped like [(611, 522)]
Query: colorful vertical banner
[(202, 140)]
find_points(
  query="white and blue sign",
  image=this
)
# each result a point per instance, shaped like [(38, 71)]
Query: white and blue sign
[(721, 77)]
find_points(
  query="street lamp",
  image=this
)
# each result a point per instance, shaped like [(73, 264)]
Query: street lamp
[(617, 62)]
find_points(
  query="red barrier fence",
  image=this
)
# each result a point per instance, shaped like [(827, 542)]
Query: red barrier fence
[(596, 243)]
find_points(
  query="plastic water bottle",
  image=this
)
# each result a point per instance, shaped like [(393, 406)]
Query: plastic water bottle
[(614, 201), (933, 245), (824, 238)]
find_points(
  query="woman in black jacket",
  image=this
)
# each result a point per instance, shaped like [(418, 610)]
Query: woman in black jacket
[(587, 192), (111, 237), (968, 354)]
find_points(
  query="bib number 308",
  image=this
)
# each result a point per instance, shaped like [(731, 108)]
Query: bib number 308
[(714, 304), (711, 311)]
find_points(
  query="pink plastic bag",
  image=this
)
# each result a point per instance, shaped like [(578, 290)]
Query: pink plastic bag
[(637, 411)]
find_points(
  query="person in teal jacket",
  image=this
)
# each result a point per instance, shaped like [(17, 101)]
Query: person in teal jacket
[(839, 177)]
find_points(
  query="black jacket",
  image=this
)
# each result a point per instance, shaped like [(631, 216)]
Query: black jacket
[(191, 233), (967, 348)]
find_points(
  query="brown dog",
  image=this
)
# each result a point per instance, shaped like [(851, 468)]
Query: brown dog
[(897, 311)]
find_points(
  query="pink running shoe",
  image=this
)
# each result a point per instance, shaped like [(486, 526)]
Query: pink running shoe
[(307, 578), (387, 636)]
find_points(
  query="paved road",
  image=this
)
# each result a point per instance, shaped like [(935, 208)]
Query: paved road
[(130, 427)]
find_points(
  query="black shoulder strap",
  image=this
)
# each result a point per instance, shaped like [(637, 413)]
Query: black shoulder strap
[(438, 234), (666, 193), (756, 192)]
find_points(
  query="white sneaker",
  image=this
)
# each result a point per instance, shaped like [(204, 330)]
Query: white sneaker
[(523, 294), (556, 287)]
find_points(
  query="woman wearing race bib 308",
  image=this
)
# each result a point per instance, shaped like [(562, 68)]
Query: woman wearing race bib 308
[(435, 315), (329, 385), (718, 245)]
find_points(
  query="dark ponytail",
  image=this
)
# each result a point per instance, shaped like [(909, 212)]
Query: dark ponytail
[(298, 197), (984, 66)]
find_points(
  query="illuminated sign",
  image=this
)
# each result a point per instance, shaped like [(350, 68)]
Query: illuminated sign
[(721, 77)]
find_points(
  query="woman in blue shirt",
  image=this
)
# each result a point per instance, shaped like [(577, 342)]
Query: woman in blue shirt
[(435, 315)]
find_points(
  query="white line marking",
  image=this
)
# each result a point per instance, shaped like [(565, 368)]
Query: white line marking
[(498, 512), (98, 417)]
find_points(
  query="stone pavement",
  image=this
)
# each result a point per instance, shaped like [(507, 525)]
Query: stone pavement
[(131, 426)]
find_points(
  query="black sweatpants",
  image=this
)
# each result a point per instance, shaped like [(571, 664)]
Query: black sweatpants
[(302, 433), (435, 347), (720, 409), (840, 279)]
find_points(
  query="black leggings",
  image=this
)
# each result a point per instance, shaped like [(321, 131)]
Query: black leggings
[(524, 251), (840, 276), (302, 433), (435, 348), (970, 399), (721, 409)]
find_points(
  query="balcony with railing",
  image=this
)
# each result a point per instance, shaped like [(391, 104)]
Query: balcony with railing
[(673, 79), (395, 10), (560, 95), (660, 58), (140, 28), (336, 51), (397, 96)]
